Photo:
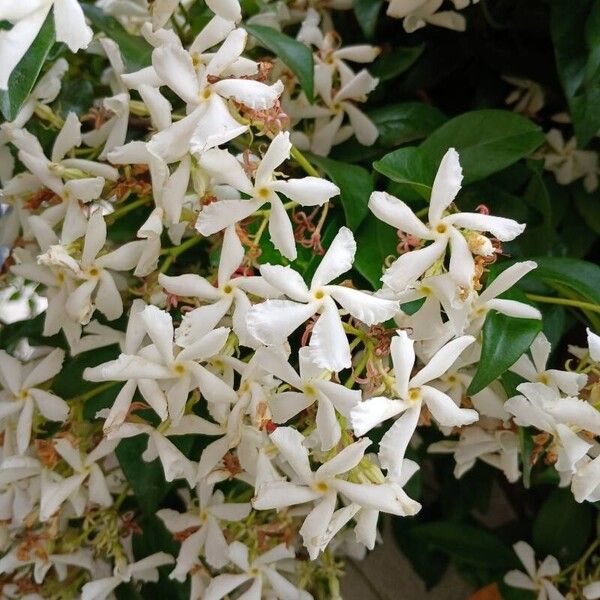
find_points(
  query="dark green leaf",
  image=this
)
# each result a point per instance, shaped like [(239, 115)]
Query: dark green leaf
[(147, 480), (575, 29), (25, 74), (155, 537), (375, 241), (429, 563), (294, 54), (563, 527), (505, 339), (356, 185), (467, 544), (396, 62), (405, 122), (136, 51), (486, 140), (409, 166), (69, 383), (367, 13)]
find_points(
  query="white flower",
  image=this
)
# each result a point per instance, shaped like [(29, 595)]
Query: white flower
[(417, 13), (225, 168), (534, 369), (85, 178), (178, 369), (209, 122), (592, 591), (57, 489), (568, 163), (314, 386), (98, 288), (21, 396), (441, 230), (141, 570), (229, 291), (593, 345), (27, 19), (174, 463), (329, 129), (411, 394), (322, 487), (19, 487), (499, 448), (261, 568), (274, 320), (42, 557), (537, 579), (203, 529), (533, 408), (527, 97)]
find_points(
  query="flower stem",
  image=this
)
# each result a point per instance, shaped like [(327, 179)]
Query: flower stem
[(97, 390), (173, 252), (123, 210), (303, 162), (565, 302)]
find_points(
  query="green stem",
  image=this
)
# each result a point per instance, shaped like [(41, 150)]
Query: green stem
[(422, 213), (360, 367), (97, 390), (123, 210), (303, 162), (565, 302), (175, 251)]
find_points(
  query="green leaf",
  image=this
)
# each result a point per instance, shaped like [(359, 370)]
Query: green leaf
[(405, 122), (563, 527), (580, 276), (25, 74), (575, 30), (467, 544), (136, 51), (396, 62), (367, 13), (147, 480), (429, 563), (505, 339), (410, 166), (356, 185), (69, 383), (375, 241), (486, 140), (294, 54)]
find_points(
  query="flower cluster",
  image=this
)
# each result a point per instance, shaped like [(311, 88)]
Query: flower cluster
[(253, 371)]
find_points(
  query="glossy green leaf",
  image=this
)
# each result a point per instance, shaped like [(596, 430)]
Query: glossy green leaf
[(25, 74), (147, 480), (367, 13), (505, 339), (575, 29), (563, 527), (356, 185), (410, 166), (486, 140), (467, 544), (375, 241), (396, 62), (294, 54), (136, 51), (405, 122)]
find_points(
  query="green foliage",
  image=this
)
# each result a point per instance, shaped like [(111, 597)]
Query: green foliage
[(563, 527), (25, 74), (505, 339), (295, 55), (575, 31), (356, 185), (136, 51)]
